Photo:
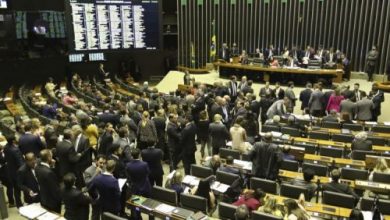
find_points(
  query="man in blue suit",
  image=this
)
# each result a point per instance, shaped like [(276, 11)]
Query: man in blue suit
[(29, 142), (107, 187), (138, 175), (153, 156)]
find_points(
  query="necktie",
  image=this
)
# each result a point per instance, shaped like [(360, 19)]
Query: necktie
[(76, 146)]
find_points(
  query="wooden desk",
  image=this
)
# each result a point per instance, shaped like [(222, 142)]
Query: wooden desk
[(373, 186), (338, 161), (375, 134), (295, 175), (336, 74), (371, 161)]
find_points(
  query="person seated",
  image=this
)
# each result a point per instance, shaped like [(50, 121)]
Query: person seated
[(380, 167), (308, 175), (294, 211), (286, 153), (271, 207), (335, 186), (273, 63), (332, 117), (252, 199), (360, 142), (242, 213), (275, 121), (345, 118), (214, 163), (175, 183), (204, 190), (228, 167), (292, 123), (69, 99)]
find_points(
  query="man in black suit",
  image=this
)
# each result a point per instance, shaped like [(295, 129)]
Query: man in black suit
[(106, 139), (160, 124), (75, 201), (115, 154), (335, 186), (66, 154), (357, 92), (216, 108), (377, 98), (82, 147), (304, 96), (48, 183), (173, 134), (248, 88), (153, 157), (224, 53), (138, 175), (14, 159), (105, 187), (218, 133), (188, 143), (29, 142), (233, 88), (27, 180)]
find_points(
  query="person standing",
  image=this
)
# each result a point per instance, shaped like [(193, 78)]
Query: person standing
[(291, 96), (377, 98), (138, 175), (304, 96), (371, 59), (364, 108), (188, 144), (174, 136), (153, 157), (315, 102), (147, 134), (219, 134), (75, 201), (66, 154), (27, 180), (334, 101)]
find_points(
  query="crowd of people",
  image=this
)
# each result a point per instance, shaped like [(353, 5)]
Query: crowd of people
[(131, 138)]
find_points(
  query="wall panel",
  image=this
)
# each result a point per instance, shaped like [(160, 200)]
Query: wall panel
[(352, 26)]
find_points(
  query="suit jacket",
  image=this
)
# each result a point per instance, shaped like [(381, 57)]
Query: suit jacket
[(233, 89), (105, 143), (224, 54), (107, 187), (263, 91), (216, 109), (265, 104), (138, 177), (339, 188), (372, 57), (67, 157), (304, 97), (277, 108), (365, 145), (30, 143), (364, 109), (280, 94), (219, 135), (120, 168), (153, 157), (266, 160), (14, 159), (28, 182), (49, 188), (247, 89), (289, 93), (84, 149), (173, 134), (348, 106), (316, 101), (76, 204), (188, 139), (377, 99)]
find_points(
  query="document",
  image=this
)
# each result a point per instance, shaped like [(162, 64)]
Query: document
[(219, 187), (32, 211), (121, 183), (48, 216), (191, 180), (164, 208)]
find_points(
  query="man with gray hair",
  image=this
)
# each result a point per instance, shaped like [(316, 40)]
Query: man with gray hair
[(361, 143)]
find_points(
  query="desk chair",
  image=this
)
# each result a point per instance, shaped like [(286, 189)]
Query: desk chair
[(310, 149), (378, 140), (293, 191), (381, 177), (331, 152), (294, 132), (381, 129), (319, 135), (346, 138), (243, 157), (290, 165), (353, 127), (338, 199), (264, 216), (330, 124), (267, 186), (164, 195), (269, 128), (226, 211), (226, 178), (194, 203), (200, 171), (319, 170), (224, 153), (353, 174), (383, 205), (361, 154), (110, 216)]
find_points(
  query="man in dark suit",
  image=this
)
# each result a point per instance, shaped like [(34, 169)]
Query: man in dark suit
[(278, 92), (188, 142), (75, 201), (48, 183), (173, 134), (160, 124), (371, 58), (29, 142), (105, 186), (153, 157), (218, 133), (224, 53), (304, 96), (82, 147), (106, 139), (27, 180), (14, 159), (138, 175), (115, 154), (247, 88), (233, 88), (335, 186), (216, 107), (364, 108), (315, 104), (264, 90), (357, 92), (377, 98), (360, 142), (66, 154)]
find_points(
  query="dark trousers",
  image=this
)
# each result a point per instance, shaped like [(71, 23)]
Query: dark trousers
[(175, 157), (52, 207), (14, 193), (95, 212), (155, 180), (187, 161), (317, 113), (370, 71)]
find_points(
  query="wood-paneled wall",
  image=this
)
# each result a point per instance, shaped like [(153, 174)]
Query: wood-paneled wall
[(352, 26)]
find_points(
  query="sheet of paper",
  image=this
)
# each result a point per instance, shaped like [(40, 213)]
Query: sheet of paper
[(48, 216), (220, 187), (121, 183), (387, 123), (32, 211), (164, 208), (170, 175), (191, 180), (371, 122)]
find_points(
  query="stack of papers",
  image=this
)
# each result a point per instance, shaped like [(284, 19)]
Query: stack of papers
[(32, 211), (48, 216), (191, 180), (164, 208), (219, 187), (246, 165)]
